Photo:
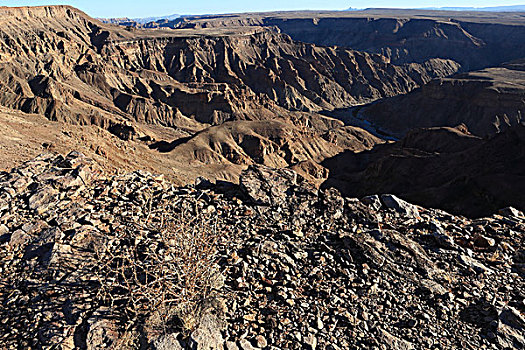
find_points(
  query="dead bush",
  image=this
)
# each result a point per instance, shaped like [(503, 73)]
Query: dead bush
[(153, 273)]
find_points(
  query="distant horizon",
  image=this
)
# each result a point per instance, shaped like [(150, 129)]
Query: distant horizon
[(162, 8)]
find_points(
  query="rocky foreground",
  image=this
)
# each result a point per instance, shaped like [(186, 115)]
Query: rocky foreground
[(295, 268)]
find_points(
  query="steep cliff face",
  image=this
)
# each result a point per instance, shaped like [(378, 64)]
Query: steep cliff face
[(59, 62), (295, 75), (487, 102), (472, 40), (40, 50), (473, 45)]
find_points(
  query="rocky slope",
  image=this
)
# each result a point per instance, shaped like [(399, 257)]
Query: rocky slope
[(447, 168), (230, 147), (218, 152), (296, 268), (474, 40), (487, 102), (24, 136)]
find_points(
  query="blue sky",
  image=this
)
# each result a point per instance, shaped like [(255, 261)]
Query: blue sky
[(146, 8)]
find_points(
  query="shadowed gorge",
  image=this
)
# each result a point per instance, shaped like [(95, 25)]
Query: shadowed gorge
[(440, 167), (487, 102)]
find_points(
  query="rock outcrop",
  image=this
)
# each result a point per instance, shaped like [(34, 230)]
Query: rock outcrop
[(310, 270)]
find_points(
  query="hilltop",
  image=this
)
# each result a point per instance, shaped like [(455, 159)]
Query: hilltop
[(284, 265)]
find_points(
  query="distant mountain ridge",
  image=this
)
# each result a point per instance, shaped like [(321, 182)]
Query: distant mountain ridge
[(513, 8), (134, 22), (144, 20)]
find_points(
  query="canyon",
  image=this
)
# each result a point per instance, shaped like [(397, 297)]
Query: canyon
[(168, 86), (475, 40), (284, 180), (487, 102)]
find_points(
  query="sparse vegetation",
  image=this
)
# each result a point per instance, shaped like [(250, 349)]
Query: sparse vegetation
[(160, 274)]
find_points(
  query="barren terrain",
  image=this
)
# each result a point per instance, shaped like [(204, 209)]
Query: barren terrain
[(288, 180)]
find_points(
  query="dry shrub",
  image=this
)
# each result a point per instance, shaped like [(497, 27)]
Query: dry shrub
[(161, 272)]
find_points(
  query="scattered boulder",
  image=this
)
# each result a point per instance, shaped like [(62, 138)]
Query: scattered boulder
[(245, 344), (208, 335), (511, 328), (267, 186), (42, 198), (483, 241), (510, 211), (474, 264), (167, 342), (333, 203), (399, 205), (19, 238), (433, 287), (441, 237), (372, 201), (102, 333), (394, 343)]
